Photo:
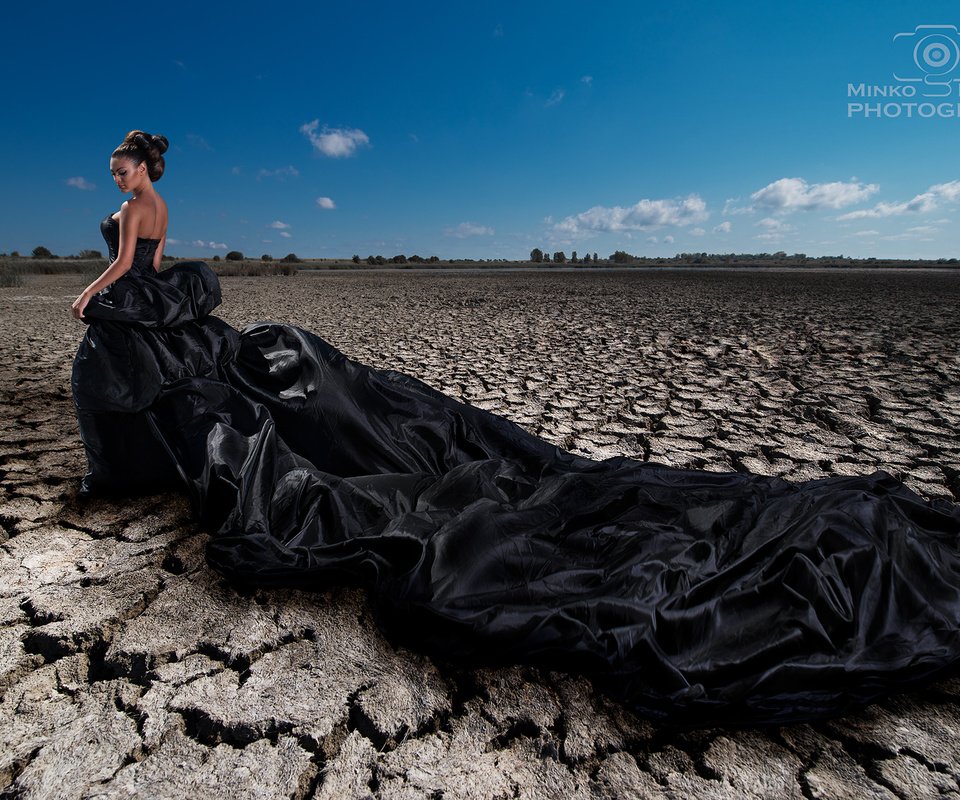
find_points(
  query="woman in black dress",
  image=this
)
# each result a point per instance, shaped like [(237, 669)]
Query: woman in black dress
[(692, 596), (141, 221)]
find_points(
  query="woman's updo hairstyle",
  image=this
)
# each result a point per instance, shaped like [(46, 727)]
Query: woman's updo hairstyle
[(141, 146)]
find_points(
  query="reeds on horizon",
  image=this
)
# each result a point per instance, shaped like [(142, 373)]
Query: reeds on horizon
[(14, 269)]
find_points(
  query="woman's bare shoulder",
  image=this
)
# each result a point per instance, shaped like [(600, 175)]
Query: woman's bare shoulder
[(162, 211), (130, 210)]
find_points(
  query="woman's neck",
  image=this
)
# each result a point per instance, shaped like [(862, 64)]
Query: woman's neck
[(144, 190)]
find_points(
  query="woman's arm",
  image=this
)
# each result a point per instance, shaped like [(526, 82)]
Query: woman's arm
[(129, 227)]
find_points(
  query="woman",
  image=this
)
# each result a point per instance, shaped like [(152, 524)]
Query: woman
[(135, 165), (119, 368), (698, 597)]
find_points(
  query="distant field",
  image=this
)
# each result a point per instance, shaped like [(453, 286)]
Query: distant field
[(13, 269)]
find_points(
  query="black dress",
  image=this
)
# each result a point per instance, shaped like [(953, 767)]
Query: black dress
[(691, 596)]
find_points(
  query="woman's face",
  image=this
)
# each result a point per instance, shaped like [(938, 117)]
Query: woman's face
[(126, 174)]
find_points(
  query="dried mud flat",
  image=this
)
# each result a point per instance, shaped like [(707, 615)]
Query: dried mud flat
[(127, 668)]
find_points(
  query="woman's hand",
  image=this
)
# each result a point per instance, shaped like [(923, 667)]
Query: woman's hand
[(80, 304)]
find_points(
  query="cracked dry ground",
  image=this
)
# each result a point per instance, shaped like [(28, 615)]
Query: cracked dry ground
[(127, 668)]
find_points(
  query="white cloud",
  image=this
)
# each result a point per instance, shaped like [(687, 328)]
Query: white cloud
[(235, 170), (465, 229), (775, 229), (668, 240), (555, 97), (866, 233), (652, 239), (730, 207), (285, 234), (922, 203), (281, 172), (698, 231), (907, 236), (199, 243), (642, 216), (795, 194), (334, 142), (723, 227), (772, 224), (326, 202), (923, 229), (880, 210), (587, 79), (81, 183), (198, 141), (279, 225)]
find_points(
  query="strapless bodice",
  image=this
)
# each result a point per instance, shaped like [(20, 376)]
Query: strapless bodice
[(142, 256)]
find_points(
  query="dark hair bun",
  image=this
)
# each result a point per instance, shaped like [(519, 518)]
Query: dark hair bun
[(142, 146)]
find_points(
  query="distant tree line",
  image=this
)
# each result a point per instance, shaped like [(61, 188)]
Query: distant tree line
[(779, 258), (236, 255), (400, 258), (43, 252), (538, 256)]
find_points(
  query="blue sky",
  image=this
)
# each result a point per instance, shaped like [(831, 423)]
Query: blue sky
[(485, 129)]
